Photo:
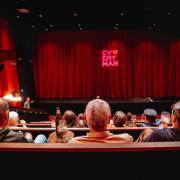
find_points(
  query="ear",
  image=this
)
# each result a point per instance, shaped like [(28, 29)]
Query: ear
[(173, 118), (85, 120), (109, 119)]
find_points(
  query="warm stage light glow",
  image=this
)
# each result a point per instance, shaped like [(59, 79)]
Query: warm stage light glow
[(11, 98)]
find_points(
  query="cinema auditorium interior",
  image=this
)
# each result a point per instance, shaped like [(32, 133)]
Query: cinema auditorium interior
[(89, 89)]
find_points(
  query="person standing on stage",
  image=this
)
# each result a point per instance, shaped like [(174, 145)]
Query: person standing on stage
[(27, 103)]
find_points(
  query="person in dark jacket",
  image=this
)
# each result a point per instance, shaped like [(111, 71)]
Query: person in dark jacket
[(167, 134), (7, 135)]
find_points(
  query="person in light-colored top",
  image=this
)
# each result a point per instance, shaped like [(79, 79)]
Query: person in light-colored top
[(97, 116)]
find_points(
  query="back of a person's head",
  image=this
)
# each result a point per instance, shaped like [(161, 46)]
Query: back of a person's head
[(129, 115), (150, 114), (176, 110), (119, 119), (4, 107), (97, 114), (70, 118), (13, 118)]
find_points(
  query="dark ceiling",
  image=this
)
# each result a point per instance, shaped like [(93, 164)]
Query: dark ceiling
[(48, 15)]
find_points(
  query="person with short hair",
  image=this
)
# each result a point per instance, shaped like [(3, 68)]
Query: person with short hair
[(7, 135), (150, 118), (119, 119), (165, 119), (69, 119), (97, 116), (167, 134), (13, 118)]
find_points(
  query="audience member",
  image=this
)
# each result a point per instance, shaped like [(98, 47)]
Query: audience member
[(70, 120), (13, 118), (7, 135), (119, 120), (167, 134), (80, 119), (129, 114), (41, 138), (150, 118), (97, 116), (165, 119)]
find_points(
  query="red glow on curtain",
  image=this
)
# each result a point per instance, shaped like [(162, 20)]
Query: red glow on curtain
[(69, 65), (8, 76)]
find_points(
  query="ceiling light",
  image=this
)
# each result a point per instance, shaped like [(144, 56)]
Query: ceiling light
[(122, 14), (80, 28), (169, 13), (40, 15), (32, 26), (117, 24), (18, 16), (51, 25), (79, 25), (75, 14)]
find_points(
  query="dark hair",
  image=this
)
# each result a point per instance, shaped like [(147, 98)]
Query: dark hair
[(119, 119), (150, 114), (129, 114), (70, 118)]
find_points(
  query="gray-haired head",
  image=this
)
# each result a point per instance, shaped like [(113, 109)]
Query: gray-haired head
[(97, 114)]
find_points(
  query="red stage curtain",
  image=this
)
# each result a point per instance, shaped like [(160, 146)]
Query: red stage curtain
[(68, 65), (8, 76)]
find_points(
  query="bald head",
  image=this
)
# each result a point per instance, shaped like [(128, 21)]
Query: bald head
[(97, 114)]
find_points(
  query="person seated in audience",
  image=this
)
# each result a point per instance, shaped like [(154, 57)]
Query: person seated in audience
[(41, 138), (129, 114), (7, 135), (97, 116), (80, 120), (14, 120), (150, 118), (69, 119), (119, 120), (165, 119), (165, 134)]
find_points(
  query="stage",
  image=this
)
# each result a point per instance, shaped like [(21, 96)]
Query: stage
[(134, 105)]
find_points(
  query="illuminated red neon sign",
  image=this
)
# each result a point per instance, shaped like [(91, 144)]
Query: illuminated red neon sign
[(109, 58)]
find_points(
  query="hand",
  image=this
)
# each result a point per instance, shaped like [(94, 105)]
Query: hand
[(23, 122)]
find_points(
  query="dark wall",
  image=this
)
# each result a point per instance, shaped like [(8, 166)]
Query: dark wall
[(24, 41)]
